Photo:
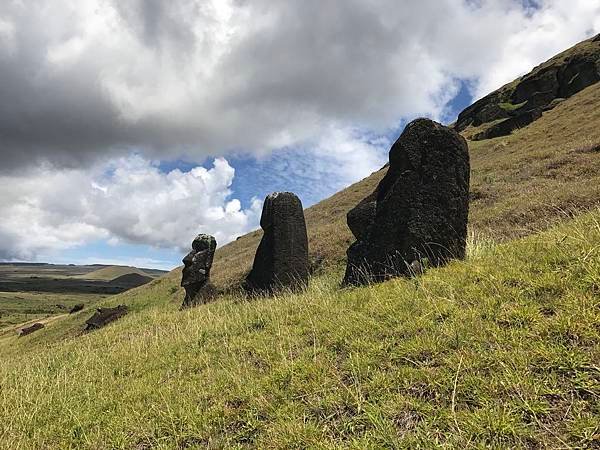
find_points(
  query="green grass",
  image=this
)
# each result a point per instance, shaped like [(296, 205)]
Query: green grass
[(507, 106), (17, 308), (501, 350)]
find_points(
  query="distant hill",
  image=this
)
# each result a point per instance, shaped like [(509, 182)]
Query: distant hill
[(35, 291), (131, 280), (110, 273)]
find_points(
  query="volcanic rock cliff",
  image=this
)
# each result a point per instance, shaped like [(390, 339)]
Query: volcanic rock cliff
[(524, 100)]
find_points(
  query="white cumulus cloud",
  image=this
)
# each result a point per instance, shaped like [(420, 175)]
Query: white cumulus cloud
[(129, 200)]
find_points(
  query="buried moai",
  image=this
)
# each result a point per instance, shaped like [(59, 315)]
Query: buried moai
[(104, 316), (418, 214), (281, 260), (195, 278), (30, 329)]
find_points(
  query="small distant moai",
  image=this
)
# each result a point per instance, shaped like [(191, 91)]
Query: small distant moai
[(195, 278), (281, 260), (104, 316), (418, 214)]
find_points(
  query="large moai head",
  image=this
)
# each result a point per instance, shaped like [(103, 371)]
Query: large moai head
[(196, 271), (281, 260), (419, 211)]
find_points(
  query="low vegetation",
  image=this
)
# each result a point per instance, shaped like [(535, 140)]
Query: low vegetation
[(499, 350), (507, 106)]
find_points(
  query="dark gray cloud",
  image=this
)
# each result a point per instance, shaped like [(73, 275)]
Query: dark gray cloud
[(88, 79)]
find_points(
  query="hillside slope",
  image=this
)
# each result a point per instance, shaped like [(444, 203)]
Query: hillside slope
[(519, 184), (500, 350)]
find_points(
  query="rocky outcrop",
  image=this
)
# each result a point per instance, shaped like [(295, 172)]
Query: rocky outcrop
[(507, 126), (104, 316), (76, 308), (485, 110), (281, 260), (30, 329), (522, 101), (195, 278), (421, 207)]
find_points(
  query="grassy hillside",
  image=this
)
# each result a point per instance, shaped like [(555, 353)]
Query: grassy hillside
[(18, 308), (519, 184), (499, 350)]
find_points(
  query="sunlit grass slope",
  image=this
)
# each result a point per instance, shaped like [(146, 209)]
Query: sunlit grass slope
[(519, 184), (501, 350)]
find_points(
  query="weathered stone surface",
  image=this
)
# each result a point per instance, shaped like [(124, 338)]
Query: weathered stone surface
[(195, 278), (538, 100), (421, 207), (542, 81), (482, 111), (560, 77), (360, 217), (30, 329), (281, 260), (104, 316), (554, 103), (507, 126), (76, 308), (578, 74)]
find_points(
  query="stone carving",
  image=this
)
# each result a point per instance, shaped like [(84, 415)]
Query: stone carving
[(195, 278), (281, 260), (421, 207), (104, 316)]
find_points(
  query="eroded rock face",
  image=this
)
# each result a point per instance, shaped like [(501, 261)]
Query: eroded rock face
[(281, 260), (561, 77), (507, 126), (421, 208), (195, 277), (104, 316)]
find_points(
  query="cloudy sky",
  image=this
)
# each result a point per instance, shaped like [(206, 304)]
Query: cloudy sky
[(129, 126)]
